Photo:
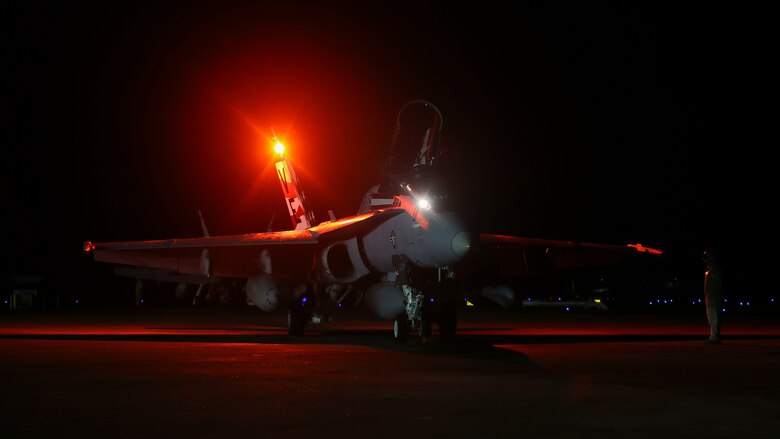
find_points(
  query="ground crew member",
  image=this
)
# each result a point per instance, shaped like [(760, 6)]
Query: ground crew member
[(712, 294)]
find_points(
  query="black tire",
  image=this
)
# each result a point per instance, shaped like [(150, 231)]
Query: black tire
[(296, 321), (426, 319), (426, 327), (448, 319), (400, 329)]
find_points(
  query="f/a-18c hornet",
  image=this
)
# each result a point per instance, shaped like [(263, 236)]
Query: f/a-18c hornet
[(403, 258)]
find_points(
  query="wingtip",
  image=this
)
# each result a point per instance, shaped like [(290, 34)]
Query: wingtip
[(642, 249)]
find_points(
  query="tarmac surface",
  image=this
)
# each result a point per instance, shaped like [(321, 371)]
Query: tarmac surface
[(208, 373)]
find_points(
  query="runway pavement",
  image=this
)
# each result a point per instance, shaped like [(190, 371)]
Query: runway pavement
[(200, 373)]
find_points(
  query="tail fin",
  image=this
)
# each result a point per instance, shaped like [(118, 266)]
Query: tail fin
[(301, 217)]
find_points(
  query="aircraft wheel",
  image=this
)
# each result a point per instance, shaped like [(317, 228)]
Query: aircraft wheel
[(425, 326), (400, 329), (426, 317), (448, 319), (296, 321)]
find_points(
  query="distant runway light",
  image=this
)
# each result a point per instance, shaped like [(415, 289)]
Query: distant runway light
[(567, 308)]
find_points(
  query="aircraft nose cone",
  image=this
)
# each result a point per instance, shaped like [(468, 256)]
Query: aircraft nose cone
[(461, 243)]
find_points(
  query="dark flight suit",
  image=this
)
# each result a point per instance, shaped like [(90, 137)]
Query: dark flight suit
[(712, 295)]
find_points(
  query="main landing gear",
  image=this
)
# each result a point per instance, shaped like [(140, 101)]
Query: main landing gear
[(297, 319), (301, 312)]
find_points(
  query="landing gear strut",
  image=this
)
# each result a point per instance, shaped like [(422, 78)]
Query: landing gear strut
[(419, 314)]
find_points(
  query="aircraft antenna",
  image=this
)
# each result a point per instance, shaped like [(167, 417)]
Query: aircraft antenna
[(203, 224)]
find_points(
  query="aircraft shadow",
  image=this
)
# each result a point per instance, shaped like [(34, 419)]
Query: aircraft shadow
[(484, 347)]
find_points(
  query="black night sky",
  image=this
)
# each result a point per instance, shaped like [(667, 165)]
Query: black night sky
[(603, 122)]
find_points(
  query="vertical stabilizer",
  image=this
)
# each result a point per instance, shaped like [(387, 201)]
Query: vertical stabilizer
[(301, 217)]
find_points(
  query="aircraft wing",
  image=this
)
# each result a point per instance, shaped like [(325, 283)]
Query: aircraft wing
[(506, 257), (229, 256), (236, 256)]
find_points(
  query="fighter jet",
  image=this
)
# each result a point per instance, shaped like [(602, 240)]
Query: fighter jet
[(402, 256)]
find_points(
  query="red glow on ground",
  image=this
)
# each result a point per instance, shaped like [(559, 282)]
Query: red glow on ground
[(473, 322), (132, 329)]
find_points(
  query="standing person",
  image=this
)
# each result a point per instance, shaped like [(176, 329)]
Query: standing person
[(713, 283)]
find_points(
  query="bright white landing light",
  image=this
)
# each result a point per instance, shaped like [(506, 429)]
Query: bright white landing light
[(424, 204)]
